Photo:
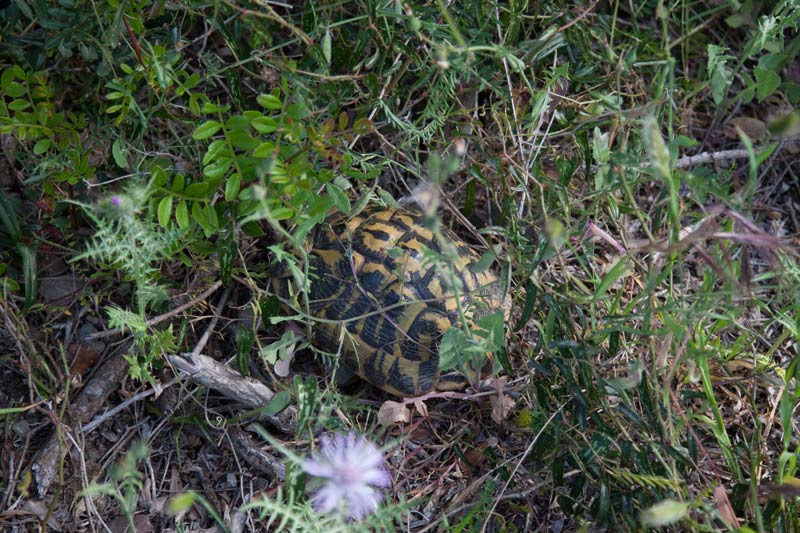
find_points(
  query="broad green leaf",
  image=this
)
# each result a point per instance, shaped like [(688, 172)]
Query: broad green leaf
[(278, 403), (182, 214), (164, 211), (767, 80), (269, 101), (326, 47), (197, 190), (14, 89), (42, 146), (218, 168), (232, 187), (264, 150), (340, 199), (237, 122), (206, 130), (265, 124), (118, 152), (178, 182), (216, 149), (19, 105)]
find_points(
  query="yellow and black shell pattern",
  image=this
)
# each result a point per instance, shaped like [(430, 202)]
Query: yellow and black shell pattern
[(368, 276)]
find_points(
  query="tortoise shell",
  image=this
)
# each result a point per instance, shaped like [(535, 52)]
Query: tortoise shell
[(370, 277)]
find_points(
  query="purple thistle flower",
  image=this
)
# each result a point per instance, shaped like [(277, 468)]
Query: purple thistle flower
[(353, 472), (116, 200)]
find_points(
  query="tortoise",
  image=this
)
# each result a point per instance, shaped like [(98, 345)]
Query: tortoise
[(371, 275)]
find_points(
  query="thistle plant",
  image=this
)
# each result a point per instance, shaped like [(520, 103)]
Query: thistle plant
[(128, 241)]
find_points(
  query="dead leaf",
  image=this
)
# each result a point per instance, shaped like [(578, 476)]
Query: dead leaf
[(422, 409), (501, 407), (752, 127), (502, 404), (283, 364), (393, 412), (39, 509), (282, 367), (724, 507)]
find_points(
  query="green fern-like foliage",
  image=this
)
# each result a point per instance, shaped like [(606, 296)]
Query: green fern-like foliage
[(132, 243), (128, 240)]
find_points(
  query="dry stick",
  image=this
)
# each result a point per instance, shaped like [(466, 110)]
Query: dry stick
[(712, 157), (161, 318), (218, 376), (702, 158), (107, 378)]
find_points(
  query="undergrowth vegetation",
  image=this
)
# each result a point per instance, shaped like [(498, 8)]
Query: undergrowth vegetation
[(629, 170)]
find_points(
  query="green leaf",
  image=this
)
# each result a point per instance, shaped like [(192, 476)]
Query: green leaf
[(6, 77), (178, 182), (14, 89), (216, 149), (159, 177), (237, 122), (767, 81), (206, 130), (182, 214), (264, 150), (622, 268), (451, 349), (19, 105), (737, 20), (206, 217), (232, 187), (199, 216), (278, 403), (269, 101), (29, 271), (197, 190), (9, 284), (243, 140), (42, 146), (326, 47), (218, 168), (194, 105), (119, 154), (226, 250), (720, 75), (181, 503), (8, 217), (264, 124), (664, 513), (530, 301), (164, 211), (282, 213), (340, 199)]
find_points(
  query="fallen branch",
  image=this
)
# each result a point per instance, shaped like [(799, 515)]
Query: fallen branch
[(250, 392), (107, 378)]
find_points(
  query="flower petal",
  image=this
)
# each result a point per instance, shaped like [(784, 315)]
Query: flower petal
[(318, 468)]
